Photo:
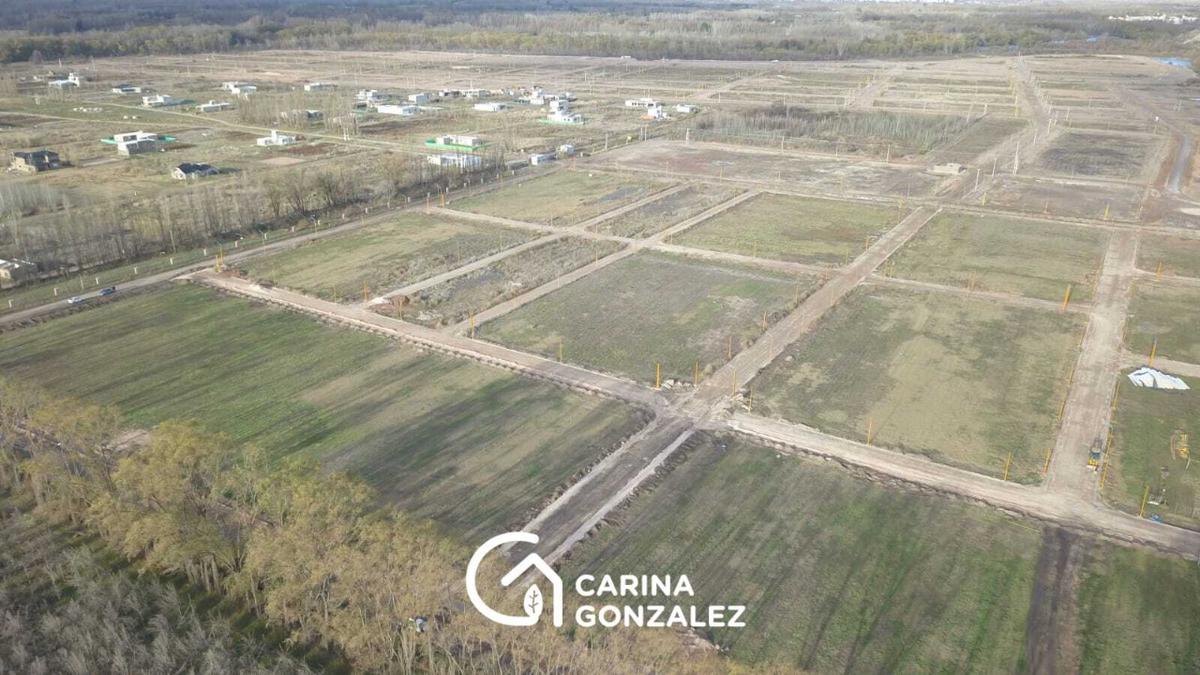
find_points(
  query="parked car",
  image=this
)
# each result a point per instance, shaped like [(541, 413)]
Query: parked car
[(108, 291), (75, 300)]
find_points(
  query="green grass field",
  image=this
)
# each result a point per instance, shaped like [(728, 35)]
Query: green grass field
[(1106, 155), (475, 448), (1141, 452), (838, 574), (795, 229), (1167, 314), (454, 300), (660, 214), (1138, 613), (1177, 256), (652, 308), (1005, 255), (561, 198), (409, 247), (963, 381)]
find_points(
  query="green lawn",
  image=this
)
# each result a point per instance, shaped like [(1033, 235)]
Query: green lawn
[(410, 247), (963, 381), (1141, 453), (1138, 613), (1168, 315), (795, 229), (838, 574), (1177, 256), (475, 448), (652, 308), (660, 214), (561, 198), (1008, 255)]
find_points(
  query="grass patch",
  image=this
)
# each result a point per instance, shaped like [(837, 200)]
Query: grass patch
[(1004, 254), (454, 300), (1104, 155), (474, 448), (1167, 314), (652, 308), (1137, 613), (795, 229), (1145, 421), (962, 381), (660, 214), (838, 574), (1180, 257), (561, 198), (383, 256)]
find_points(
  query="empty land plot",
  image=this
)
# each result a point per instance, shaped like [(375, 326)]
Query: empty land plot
[(981, 136), (660, 214), (962, 381), (383, 256), (1104, 155), (455, 300), (561, 198), (1060, 197), (838, 574), (653, 308), (1137, 613), (1028, 258), (795, 229), (1147, 429), (1165, 315), (1180, 257), (475, 448)]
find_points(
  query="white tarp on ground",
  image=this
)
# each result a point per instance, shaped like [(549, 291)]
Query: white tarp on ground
[(1155, 379)]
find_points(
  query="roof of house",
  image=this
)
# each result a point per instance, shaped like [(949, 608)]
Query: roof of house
[(35, 155), (189, 167)]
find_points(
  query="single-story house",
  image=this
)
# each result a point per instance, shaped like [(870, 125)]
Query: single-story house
[(455, 159), (159, 101), (320, 86), (213, 106), (15, 272), (392, 109), (418, 99), (136, 142), (276, 138), (491, 107), (35, 161), (189, 171)]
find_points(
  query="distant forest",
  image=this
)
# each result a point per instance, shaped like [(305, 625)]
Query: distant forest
[(43, 30)]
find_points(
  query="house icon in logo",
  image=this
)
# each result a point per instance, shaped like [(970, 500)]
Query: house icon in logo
[(534, 602)]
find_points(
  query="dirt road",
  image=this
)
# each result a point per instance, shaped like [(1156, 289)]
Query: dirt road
[(1088, 408)]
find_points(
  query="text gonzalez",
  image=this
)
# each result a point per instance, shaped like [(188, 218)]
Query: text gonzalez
[(649, 616)]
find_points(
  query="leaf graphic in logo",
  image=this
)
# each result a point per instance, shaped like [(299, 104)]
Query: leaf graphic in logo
[(533, 601)]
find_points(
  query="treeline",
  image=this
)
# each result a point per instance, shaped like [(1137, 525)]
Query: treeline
[(48, 229), (83, 618), (644, 30), (309, 551), (877, 130)]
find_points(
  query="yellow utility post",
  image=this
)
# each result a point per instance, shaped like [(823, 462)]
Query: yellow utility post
[(696, 373), (1106, 206), (1153, 352), (1145, 498), (366, 292), (560, 350), (1007, 465), (472, 324), (1066, 297), (1046, 467), (1158, 272), (732, 382), (658, 376), (870, 429)]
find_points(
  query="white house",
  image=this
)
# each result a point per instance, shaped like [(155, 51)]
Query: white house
[(686, 108), (212, 106), (476, 93), (369, 96), (128, 89), (641, 103), (418, 99), (541, 158), (159, 101), (565, 117), (320, 86), (491, 107), (453, 139), (73, 80), (454, 159), (392, 109), (276, 138), (136, 142), (656, 112)]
